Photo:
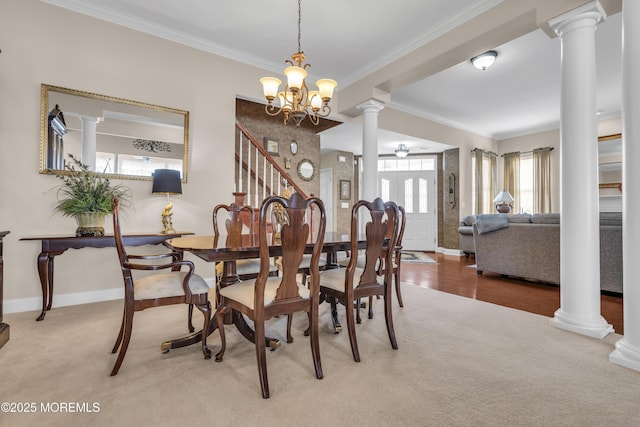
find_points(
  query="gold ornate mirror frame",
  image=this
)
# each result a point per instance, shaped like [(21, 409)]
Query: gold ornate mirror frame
[(133, 130)]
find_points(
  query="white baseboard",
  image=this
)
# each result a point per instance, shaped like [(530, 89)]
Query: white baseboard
[(456, 252), (19, 305)]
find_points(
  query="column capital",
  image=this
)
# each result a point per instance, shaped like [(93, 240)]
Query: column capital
[(89, 119), (589, 14), (370, 105)]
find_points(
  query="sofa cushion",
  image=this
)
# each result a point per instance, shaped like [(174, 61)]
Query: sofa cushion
[(520, 218), (491, 222), (469, 219), (545, 218)]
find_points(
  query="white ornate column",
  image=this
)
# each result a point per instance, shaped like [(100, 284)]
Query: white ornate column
[(627, 352), (89, 125), (580, 219), (370, 111)]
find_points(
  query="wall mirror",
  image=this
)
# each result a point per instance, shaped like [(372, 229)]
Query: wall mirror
[(610, 161), (306, 169), (119, 137)]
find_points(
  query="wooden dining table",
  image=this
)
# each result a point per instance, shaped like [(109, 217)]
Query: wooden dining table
[(214, 248)]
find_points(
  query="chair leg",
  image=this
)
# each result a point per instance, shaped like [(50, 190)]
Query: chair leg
[(337, 327), (352, 333), (261, 356), (358, 319), (289, 322), (119, 339), (370, 313), (219, 316), (126, 337), (206, 312), (307, 331), (190, 319), (315, 342), (396, 278), (388, 316)]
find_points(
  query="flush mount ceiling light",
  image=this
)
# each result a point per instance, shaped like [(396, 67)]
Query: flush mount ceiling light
[(296, 100), (484, 60), (402, 151)]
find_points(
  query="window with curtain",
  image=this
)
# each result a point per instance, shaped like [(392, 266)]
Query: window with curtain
[(542, 179), (483, 175), (529, 176), (512, 177), (526, 184)]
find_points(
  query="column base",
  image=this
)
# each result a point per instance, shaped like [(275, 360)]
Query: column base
[(591, 327), (626, 355), (4, 334)]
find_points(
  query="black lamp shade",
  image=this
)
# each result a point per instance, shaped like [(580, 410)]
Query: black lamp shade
[(167, 181)]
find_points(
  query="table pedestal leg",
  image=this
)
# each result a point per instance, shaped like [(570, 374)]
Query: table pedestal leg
[(229, 277)]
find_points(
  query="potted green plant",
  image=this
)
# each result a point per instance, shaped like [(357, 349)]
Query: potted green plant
[(87, 196)]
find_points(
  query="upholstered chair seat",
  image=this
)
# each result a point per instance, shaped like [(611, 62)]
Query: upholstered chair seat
[(163, 285), (243, 292), (334, 279)]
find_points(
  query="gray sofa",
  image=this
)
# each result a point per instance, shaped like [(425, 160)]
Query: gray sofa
[(528, 246), (465, 231)]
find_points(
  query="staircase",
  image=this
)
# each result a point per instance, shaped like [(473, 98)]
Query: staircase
[(257, 174)]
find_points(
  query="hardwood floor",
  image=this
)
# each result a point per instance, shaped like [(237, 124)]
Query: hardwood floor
[(453, 274)]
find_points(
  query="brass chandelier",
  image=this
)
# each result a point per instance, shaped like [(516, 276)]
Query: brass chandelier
[(296, 100)]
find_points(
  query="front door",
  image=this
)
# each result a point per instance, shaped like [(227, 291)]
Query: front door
[(416, 192)]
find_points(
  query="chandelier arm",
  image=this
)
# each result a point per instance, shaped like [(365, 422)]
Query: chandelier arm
[(324, 111), (314, 118), (272, 110)]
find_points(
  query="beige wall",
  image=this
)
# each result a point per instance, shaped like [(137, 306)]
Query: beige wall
[(47, 44)]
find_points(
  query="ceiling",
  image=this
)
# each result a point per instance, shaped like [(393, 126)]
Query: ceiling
[(519, 94)]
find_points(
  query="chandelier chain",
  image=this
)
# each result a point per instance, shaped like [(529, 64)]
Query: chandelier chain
[(299, 21)]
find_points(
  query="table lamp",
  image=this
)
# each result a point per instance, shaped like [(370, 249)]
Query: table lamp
[(504, 202), (167, 181)]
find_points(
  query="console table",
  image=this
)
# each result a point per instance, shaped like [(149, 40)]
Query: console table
[(53, 246), (4, 328)]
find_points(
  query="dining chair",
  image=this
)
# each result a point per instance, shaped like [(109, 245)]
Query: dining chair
[(279, 218), (267, 297), (349, 285), (156, 289), (397, 254), (236, 236)]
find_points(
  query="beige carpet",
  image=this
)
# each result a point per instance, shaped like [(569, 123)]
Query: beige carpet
[(461, 362)]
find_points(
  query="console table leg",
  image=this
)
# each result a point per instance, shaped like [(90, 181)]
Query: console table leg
[(45, 271), (50, 279), (43, 267)]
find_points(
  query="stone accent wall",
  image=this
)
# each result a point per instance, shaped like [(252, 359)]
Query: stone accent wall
[(341, 163), (449, 215)]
